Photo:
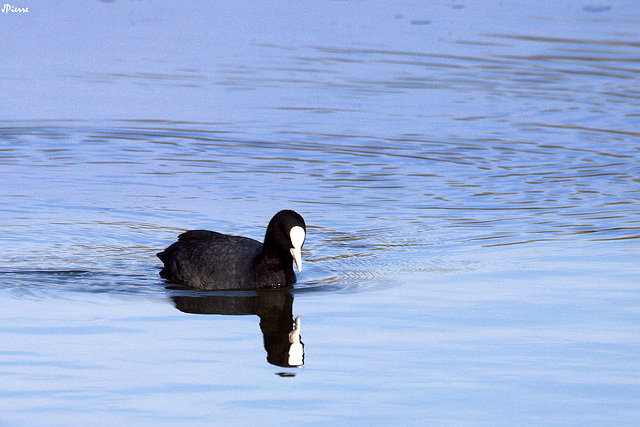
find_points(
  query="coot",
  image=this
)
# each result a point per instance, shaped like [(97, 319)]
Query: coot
[(209, 260)]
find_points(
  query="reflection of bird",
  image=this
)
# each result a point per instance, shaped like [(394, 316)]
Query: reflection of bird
[(209, 260), (275, 309)]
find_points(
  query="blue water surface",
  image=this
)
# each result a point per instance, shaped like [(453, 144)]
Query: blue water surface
[(469, 174)]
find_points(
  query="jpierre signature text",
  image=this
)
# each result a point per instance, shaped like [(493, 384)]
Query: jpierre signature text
[(7, 8)]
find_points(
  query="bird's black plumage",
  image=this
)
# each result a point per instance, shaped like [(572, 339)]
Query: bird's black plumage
[(209, 260)]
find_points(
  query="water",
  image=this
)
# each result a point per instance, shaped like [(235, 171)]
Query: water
[(468, 173)]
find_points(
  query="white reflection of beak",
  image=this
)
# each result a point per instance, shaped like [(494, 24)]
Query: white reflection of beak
[(296, 349), (297, 235)]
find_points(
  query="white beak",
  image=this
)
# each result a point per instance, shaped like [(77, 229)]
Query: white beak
[(297, 257), (297, 236)]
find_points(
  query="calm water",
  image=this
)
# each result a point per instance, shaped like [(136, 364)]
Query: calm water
[(469, 175)]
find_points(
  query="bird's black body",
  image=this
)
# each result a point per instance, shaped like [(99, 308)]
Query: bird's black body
[(209, 260)]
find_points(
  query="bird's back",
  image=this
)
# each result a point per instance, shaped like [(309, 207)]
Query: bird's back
[(209, 260)]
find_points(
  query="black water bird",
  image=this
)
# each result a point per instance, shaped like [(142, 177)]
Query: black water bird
[(208, 260)]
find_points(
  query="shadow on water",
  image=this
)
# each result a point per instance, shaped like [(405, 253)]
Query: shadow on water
[(280, 331)]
